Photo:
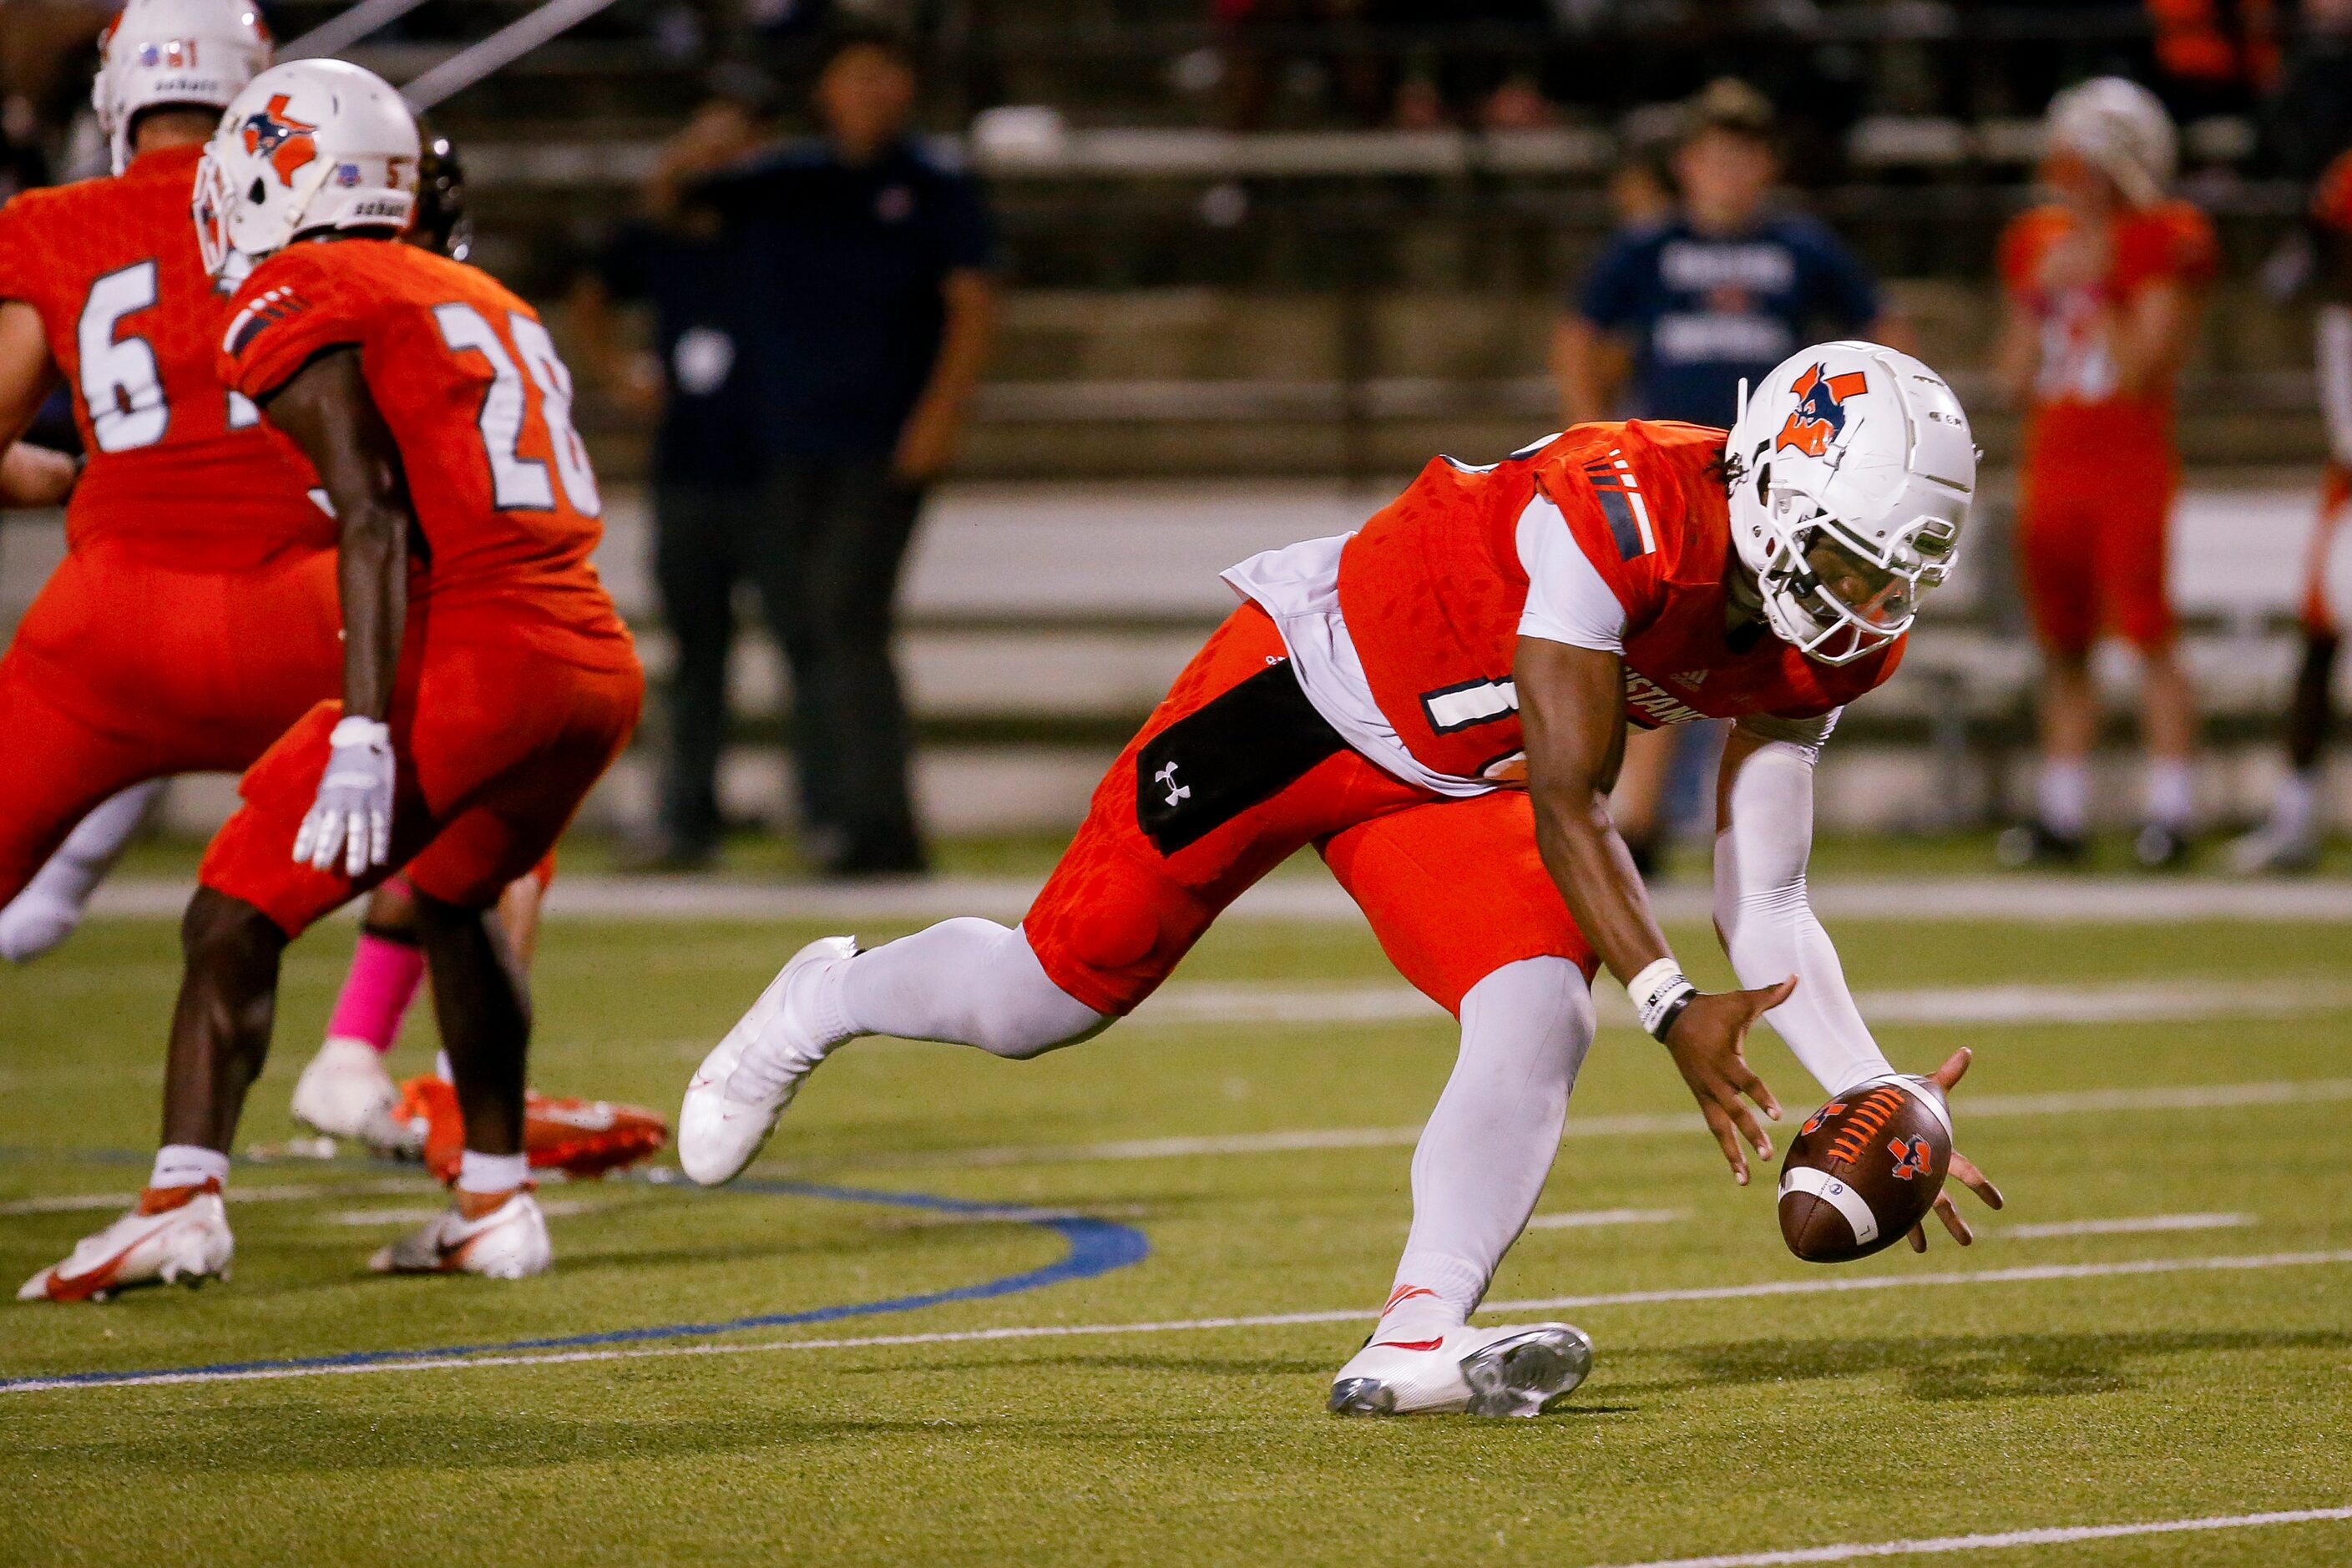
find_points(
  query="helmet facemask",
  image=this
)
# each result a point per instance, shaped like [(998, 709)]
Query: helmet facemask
[(1831, 592)]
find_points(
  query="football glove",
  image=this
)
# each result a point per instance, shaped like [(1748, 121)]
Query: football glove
[(352, 816)]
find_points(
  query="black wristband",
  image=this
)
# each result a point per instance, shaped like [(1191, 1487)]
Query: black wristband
[(1674, 1010)]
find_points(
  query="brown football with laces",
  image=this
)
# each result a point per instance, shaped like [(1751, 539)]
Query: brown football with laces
[(1864, 1169)]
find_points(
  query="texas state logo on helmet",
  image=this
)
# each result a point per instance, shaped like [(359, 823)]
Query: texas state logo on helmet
[(1820, 413), (160, 53), (1851, 472), (307, 145)]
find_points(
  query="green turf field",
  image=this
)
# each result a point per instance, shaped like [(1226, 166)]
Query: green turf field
[(1741, 1424)]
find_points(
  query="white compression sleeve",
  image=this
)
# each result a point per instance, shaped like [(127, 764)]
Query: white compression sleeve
[(967, 981), (1768, 921), (1483, 1158), (45, 912)]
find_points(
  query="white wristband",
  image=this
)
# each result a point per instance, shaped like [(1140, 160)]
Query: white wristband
[(358, 732), (1659, 994)]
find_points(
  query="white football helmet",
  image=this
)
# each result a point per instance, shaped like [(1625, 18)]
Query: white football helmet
[(2123, 129), (307, 146), (1852, 471), (159, 52)]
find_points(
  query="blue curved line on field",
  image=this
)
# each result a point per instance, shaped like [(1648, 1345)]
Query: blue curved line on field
[(1093, 1247)]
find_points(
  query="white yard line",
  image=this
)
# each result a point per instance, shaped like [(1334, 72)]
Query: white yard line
[(2126, 900), (1835, 1284), (1936, 1545), (2192, 1097), (2138, 1226), (1186, 1005), (1585, 1219), (296, 1193)]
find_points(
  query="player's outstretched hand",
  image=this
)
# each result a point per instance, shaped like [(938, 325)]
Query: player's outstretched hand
[(351, 818), (1707, 1043), (1970, 1177)]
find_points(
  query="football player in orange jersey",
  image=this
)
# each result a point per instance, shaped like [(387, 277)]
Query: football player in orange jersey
[(487, 681), (194, 620), (2291, 838), (2105, 287), (1438, 704)]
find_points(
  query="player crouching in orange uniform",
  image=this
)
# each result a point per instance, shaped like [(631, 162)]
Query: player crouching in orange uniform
[(1438, 703), (2105, 287), (487, 681)]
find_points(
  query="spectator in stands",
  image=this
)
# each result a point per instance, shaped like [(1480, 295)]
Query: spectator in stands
[(1722, 289), (2105, 285), (712, 525), (870, 261)]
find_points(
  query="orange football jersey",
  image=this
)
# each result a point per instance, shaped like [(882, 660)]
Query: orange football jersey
[(176, 461), (469, 382), (1432, 589), (2075, 397)]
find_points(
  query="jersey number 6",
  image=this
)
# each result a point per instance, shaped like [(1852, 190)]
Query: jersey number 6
[(520, 483), (122, 385)]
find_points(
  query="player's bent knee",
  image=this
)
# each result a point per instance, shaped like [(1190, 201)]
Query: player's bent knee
[(1546, 996), (1029, 1014), (221, 928)]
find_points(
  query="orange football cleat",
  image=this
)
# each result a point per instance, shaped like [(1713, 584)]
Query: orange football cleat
[(582, 1138)]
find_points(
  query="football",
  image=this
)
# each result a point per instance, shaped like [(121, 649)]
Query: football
[(1864, 1169)]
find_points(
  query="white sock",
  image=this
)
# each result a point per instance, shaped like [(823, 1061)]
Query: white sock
[(44, 913), (1483, 1158), (492, 1173), (188, 1166), (2063, 799), (2294, 806), (2171, 794)]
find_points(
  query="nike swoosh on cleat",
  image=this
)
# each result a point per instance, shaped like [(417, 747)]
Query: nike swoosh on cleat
[(1409, 1345)]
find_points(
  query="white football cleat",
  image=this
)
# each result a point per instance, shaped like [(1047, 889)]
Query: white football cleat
[(344, 1092), (509, 1242), (183, 1245), (2275, 851), (1512, 1371), (33, 922), (719, 1134)]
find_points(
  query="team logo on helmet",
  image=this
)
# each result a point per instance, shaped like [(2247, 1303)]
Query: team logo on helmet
[(1819, 414), (284, 139)]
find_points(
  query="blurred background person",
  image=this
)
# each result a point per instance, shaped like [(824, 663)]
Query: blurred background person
[(2105, 284), (2291, 837), (1682, 306), (871, 262), (713, 527)]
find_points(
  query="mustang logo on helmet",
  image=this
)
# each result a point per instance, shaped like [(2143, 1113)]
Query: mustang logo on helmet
[(1820, 413), (286, 140)]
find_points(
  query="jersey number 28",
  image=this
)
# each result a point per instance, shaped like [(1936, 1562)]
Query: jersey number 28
[(520, 483)]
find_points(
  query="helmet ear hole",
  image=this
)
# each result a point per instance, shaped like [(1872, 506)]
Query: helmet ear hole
[(1764, 484), (259, 193)]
